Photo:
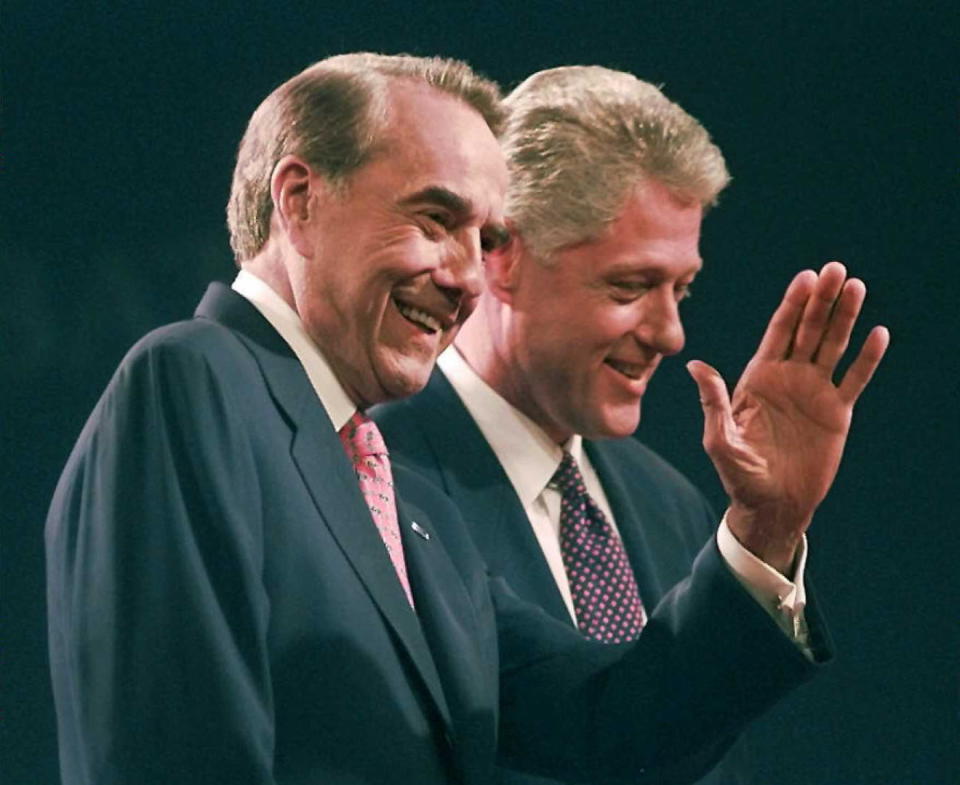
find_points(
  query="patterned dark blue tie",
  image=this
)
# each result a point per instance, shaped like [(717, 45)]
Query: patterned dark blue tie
[(602, 584)]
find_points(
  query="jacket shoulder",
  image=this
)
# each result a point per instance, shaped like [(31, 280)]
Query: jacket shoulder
[(634, 454), (197, 337)]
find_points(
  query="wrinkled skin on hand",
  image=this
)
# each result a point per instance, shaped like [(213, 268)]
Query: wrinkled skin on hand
[(777, 442)]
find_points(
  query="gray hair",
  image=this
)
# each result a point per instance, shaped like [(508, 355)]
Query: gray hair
[(333, 114), (579, 139)]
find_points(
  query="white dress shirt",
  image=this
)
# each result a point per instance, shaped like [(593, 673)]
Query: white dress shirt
[(530, 458)]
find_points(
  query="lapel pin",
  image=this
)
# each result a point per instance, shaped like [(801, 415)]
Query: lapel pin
[(420, 530)]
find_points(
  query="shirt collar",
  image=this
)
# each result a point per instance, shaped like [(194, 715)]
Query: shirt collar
[(285, 321), (528, 456)]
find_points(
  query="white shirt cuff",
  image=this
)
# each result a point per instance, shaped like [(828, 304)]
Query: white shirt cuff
[(784, 599)]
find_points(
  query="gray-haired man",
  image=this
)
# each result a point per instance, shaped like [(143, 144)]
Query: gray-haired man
[(609, 182)]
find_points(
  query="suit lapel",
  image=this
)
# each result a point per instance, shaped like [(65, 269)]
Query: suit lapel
[(334, 488), (475, 480), (326, 472), (442, 603), (633, 511)]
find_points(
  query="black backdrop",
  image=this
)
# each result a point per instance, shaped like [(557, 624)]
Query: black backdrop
[(839, 125)]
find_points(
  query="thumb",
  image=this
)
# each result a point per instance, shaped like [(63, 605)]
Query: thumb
[(715, 401)]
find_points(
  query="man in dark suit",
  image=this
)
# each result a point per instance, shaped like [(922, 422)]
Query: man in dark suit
[(236, 591), (609, 180)]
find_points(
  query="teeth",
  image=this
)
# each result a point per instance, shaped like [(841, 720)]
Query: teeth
[(627, 369), (420, 317)]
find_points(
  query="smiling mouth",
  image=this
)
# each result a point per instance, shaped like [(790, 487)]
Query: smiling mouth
[(422, 319), (633, 371)]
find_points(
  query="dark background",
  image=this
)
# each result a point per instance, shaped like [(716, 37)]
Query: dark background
[(120, 122)]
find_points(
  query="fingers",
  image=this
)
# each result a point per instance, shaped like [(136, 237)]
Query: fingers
[(845, 314), (815, 320), (861, 370), (818, 311), (717, 417), (779, 335)]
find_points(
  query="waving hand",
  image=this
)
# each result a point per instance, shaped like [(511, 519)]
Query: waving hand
[(777, 443)]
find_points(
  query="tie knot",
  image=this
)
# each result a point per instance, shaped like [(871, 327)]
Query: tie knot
[(567, 477), (361, 436)]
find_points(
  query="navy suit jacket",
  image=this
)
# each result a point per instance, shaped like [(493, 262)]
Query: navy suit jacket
[(663, 520), (222, 610)]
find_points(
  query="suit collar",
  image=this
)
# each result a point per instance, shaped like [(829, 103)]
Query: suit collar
[(475, 480), (473, 477), (318, 454)]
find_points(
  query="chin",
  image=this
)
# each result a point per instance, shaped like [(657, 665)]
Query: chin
[(406, 388), (406, 381), (615, 425)]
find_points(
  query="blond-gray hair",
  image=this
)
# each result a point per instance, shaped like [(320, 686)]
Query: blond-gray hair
[(333, 114), (579, 139)]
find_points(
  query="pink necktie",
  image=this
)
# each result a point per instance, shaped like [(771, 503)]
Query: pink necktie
[(602, 584), (365, 448)]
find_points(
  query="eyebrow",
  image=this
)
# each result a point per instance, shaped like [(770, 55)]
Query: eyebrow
[(444, 197), (495, 234), (650, 269)]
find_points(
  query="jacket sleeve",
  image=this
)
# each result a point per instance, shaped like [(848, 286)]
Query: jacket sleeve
[(661, 710), (157, 613)]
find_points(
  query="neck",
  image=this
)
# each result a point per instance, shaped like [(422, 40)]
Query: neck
[(481, 348), (269, 267), (483, 343)]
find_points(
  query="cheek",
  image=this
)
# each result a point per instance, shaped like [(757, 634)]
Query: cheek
[(617, 321), (593, 332), (403, 252), (381, 259)]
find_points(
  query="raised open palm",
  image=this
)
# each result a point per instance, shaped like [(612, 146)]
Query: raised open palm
[(777, 442)]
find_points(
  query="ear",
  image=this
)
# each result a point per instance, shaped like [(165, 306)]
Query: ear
[(296, 191), (504, 266)]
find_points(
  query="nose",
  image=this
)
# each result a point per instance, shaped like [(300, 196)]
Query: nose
[(460, 272), (658, 323)]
